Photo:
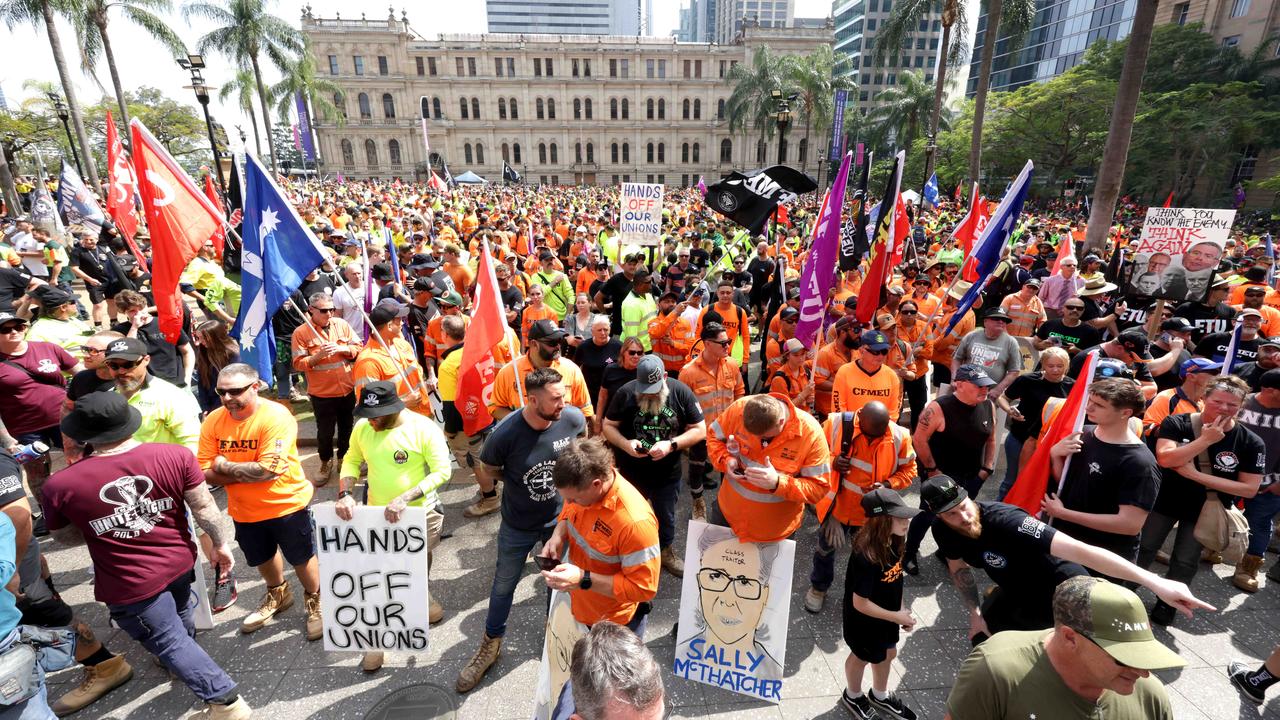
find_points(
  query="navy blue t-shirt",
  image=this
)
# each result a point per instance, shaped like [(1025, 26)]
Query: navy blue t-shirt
[(527, 458)]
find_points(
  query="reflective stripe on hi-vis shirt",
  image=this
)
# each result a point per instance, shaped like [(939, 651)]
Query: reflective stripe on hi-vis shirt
[(631, 559), (667, 357), (753, 495)]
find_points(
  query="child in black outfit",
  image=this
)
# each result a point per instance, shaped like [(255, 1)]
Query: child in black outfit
[(873, 611)]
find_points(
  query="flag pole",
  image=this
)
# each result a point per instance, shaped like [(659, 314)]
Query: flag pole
[(391, 351)]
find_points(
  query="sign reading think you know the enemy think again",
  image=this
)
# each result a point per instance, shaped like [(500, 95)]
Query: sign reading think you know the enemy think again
[(641, 214)]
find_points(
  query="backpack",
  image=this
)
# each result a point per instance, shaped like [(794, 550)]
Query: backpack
[(1151, 433), (1221, 528)]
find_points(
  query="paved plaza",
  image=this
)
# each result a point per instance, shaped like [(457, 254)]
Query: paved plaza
[(286, 678)]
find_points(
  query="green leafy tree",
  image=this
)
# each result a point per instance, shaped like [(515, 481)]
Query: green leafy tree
[(751, 104), (243, 87), (1013, 17), (903, 108), (95, 42), (816, 78), (300, 78)]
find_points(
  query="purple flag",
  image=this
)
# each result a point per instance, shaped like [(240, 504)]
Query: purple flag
[(702, 186), (837, 124), (297, 138), (819, 270), (304, 129)]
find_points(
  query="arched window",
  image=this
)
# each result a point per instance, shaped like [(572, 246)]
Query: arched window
[(626, 152), (540, 108), (462, 108), (684, 152), (515, 153), (348, 154), (613, 153), (577, 153), (697, 109), (613, 108), (577, 109), (388, 106), (466, 153), (759, 151), (554, 157), (435, 108), (626, 109), (648, 153), (591, 153), (726, 150), (586, 108), (696, 152), (475, 108), (340, 103), (551, 108), (514, 114), (662, 152), (662, 109), (393, 151), (371, 153), (804, 151), (720, 109), (648, 109), (479, 154), (506, 152), (366, 112), (425, 107), (542, 153), (502, 108), (685, 107)]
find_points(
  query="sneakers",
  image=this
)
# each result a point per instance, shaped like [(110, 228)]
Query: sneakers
[(1163, 613), (1246, 575), (371, 662), (891, 707), (483, 506), (277, 600), (238, 710), (814, 600), (672, 563), (480, 663), (98, 680), (224, 592), (435, 611), (1239, 674), (326, 473), (860, 706), (699, 509), (315, 623)]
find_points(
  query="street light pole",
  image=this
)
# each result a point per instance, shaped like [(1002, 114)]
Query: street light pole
[(195, 63), (63, 115)]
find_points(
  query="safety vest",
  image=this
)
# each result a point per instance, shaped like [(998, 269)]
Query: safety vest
[(890, 461), (672, 339), (637, 311)]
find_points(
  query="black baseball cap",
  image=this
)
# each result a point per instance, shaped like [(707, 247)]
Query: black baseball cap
[(546, 330), (1177, 324), (386, 310), (975, 374), (126, 349), (940, 493), (1136, 342), (378, 398), (1270, 379), (885, 501)]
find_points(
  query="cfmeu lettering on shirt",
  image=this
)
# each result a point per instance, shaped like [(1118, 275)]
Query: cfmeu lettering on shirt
[(369, 615), (707, 663)]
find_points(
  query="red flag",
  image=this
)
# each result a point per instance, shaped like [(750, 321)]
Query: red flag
[(435, 183), (782, 216), (901, 234), (122, 189), (1033, 479), (1168, 202), (959, 192), (1066, 248), (487, 328), (967, 229), (180, 219), (220, 235)]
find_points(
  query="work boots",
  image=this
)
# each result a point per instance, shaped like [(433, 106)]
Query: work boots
[(277, 600), (315, 623), (1246, 577), (480, 663), (98, 680), (672, 563)]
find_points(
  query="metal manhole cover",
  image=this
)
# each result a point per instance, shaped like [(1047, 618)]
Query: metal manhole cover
[(416, 702)]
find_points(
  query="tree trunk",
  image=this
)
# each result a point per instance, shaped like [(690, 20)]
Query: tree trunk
[(69, 89), (995, 9), (10, 189), (257, 139), (266, 114), (938, 90), (1111, 173), (101, 22)]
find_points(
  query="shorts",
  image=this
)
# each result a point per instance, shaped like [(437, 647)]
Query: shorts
[(51, 436), (293, 535), (869, 639), (97, 294)]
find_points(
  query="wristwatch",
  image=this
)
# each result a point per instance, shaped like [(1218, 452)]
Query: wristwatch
[(344, 493), (674, 445), (585, 582), (988, 471)]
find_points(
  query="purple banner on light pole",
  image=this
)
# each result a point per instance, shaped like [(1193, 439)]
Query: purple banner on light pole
[(837, 126), (304, 128), (862, 147), (819, 274)]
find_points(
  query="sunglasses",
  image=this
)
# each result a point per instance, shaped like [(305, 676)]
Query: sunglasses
[(90, 350), (1076, 308), (721, 343), (18, 327), (877, 352), (234, 392), (129, 365), (326, 311), (909, 312), (633, 353)]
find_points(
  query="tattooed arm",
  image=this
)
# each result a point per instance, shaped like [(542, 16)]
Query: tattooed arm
[(967, 585), (204, 510), (931, 421), (225, 472)]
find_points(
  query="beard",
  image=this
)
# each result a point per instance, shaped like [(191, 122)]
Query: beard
[(128, 386), (971, 530), (548, 356), (653, 404)]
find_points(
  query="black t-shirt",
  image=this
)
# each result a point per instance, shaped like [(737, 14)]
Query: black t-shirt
[(1081, 336), (1014, 551), (1214, 346), (699, 257), (1239, 451), (527, 458), (1034, 391), (592, 359), (1207, 320), (681, 411), (880, 584), (614, 377), (1169, 379), (512, 299), (1140, 371), (95, 263), (1250, 373), (615, 290), (166, 361), (760, 269), (13, 285), (85, 382), (1102, 477)]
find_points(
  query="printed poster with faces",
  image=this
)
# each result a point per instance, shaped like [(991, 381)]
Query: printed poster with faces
[(563, 632), (1177, 254), (734, 609)]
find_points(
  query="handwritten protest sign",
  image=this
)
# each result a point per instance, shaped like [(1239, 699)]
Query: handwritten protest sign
[(373, 579), (641, 214), (1178, 252), (563, 632), (733, 612)]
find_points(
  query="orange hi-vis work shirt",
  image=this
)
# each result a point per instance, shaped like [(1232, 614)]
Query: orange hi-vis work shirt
[(375, 363), (920, 357), (672, 339), (330, 377), (505, 395), (436, 342), (773, 355), (925, 305), (1024, 315), (531, 315), (831, 358), (889, 459), (944, 348), (616, 536), (715, 387), (787, 381), (800, 456), (268, 437), (1164, 404), (736, 326), (854, 387)]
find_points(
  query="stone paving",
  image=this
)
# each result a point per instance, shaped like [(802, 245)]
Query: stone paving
[(286, 678)]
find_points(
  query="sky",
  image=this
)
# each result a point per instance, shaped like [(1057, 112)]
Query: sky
[(143, 61)]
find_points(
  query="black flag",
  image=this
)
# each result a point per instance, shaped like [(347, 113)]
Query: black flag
[(854, 242), (509, 174), (750, 198)]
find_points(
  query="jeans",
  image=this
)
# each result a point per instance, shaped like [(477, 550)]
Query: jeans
[(824, 560), (663, 496), (699, 466), (921, 522), (513, 548), (1184, 560), (1012, 451), (331, 413), (917, 392), (35, 707), (1260, 510), (163, 624)]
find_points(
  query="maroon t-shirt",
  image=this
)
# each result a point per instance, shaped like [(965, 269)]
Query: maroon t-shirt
[(26, 404), (130, 509)]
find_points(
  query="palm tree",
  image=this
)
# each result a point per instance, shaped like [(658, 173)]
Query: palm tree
[(21, 12), (300, 78), (904, 107), (902, 22), (816, 78), (243, 87), (91, 31), (245, 31), (1017, 16), (1258, 66), (751, 103), (1111, 172)]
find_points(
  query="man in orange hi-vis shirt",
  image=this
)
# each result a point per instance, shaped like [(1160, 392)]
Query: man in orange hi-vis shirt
[(509, 392), (250, 447), (327, 359), (388, 356), (775, 461)]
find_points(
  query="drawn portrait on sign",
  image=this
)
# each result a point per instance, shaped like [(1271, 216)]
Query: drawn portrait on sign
[(563, 632)]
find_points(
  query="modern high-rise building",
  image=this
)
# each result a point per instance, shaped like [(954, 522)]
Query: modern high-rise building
[(569, 17), (1059, 36), (732, 15), (856, 25)]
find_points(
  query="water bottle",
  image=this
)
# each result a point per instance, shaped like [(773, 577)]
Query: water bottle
[(33, 451), (735, 449)]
